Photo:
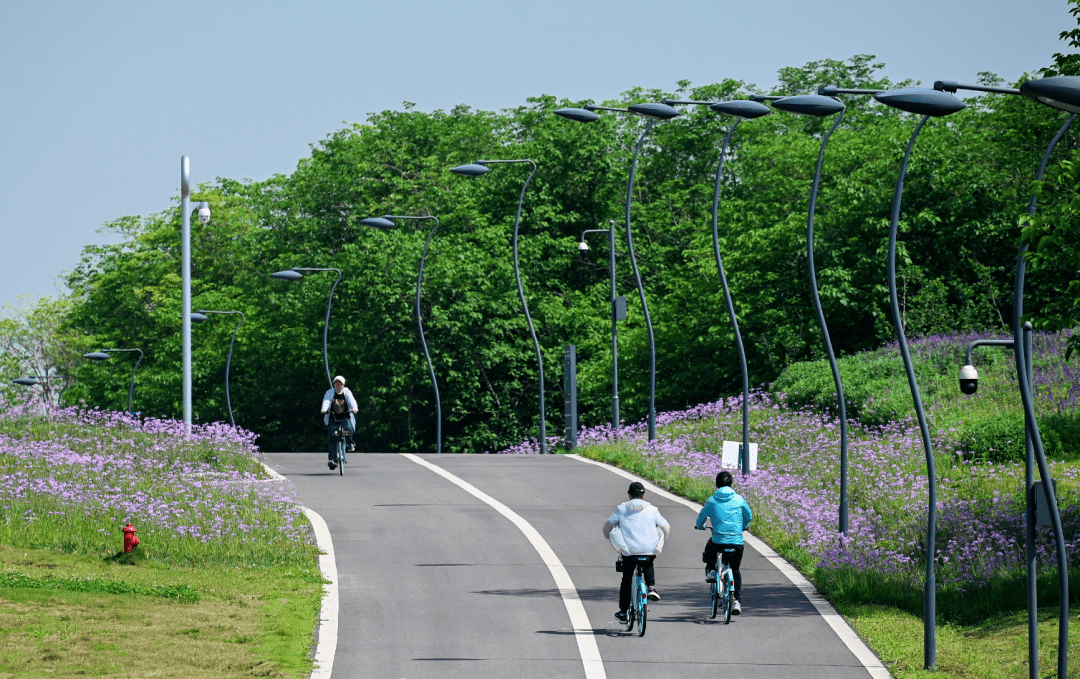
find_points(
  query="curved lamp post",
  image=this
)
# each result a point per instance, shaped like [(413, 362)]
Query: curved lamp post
[(476, 169), (200, 316), (584, 247), (1062, 93), (385, 222), (103, 355), (740, 110), (927, 103), (820, 106), (185, 256), (295, 274), (654, 112)]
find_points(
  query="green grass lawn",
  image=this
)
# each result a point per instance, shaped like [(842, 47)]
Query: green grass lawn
[(240, 623)]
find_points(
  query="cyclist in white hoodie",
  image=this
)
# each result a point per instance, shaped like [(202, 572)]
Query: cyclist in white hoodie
[(643, 533)]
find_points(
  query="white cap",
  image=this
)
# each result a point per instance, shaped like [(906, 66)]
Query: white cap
[(339, 378)]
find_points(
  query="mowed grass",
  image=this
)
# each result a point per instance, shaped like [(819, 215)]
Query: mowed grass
[(994, 649), (251, 622)]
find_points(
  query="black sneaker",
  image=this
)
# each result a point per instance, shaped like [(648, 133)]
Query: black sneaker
[(332, 465), (710, 576), (620, 616), (351, 447), (736, 607), (651, 595)]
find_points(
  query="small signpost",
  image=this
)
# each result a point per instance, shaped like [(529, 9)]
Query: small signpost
[(730, 458)]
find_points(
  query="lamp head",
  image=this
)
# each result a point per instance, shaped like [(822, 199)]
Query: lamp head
[(583, 246), (579, 114), (470, 170), (809, 105), (204, 215), (656, 111), (969, 379), (1060, 92), (921, 100), (378, 222), (741, 108), (26, 381), (287, 275), (97, 356), (198, 317)]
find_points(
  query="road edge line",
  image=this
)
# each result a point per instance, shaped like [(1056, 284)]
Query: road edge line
[(836, 621), (328, 611), (579, 619)]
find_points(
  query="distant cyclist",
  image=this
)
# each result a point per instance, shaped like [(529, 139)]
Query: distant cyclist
[(338, 405), (643, 532), (730, 517)]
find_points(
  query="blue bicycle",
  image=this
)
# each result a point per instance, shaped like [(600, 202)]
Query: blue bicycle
[(639, 600), (722, 586)]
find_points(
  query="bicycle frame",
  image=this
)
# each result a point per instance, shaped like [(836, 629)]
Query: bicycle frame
[(639, 603)]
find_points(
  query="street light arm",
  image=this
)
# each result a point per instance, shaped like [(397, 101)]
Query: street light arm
[(420, 325), (593, 231), (830, 91), (765, 97), (951, 87), (593, 107), (688, 102), (984, 343)]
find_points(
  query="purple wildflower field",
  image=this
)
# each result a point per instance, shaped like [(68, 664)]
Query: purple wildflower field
[(795, 491), (74, 478)]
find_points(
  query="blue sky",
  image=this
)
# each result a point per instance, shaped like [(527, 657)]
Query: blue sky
[(100, 100)]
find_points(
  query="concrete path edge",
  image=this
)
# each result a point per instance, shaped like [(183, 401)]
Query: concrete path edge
[(326, 647), (847, 635)]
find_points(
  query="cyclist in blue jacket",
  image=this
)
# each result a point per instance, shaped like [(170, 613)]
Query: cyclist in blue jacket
[(730, 516)]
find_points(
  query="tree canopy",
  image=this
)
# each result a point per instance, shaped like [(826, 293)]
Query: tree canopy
[(968, 182)]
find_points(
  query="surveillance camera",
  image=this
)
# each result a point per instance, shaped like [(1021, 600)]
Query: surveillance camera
[(204, 215), (969, 379)]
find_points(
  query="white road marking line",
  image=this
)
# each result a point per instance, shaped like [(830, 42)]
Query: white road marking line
[(328, 612), (847, 635), (586, 642)]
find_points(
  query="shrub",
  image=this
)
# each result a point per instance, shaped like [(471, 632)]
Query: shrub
[(1001, 439)]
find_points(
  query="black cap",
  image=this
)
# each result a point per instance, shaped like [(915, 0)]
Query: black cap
[(636, 488)]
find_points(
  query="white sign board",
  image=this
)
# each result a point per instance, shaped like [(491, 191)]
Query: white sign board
[(730, 457)]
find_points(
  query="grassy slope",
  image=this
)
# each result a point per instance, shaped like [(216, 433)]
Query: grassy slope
[(253, 622)]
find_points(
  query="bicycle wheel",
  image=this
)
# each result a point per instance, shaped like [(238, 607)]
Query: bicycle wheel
[(341, 457), (714, 594), (643, 605)]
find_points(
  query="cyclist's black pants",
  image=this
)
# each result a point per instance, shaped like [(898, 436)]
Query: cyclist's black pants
[(733, 559), (628, 567)]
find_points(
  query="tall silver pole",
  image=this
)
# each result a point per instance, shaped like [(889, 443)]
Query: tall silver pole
[(185, 285)]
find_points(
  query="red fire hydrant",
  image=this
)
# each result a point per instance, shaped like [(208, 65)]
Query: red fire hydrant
[(130, 541)]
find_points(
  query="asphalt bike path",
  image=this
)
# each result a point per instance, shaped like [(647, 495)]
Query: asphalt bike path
[(435, 582)]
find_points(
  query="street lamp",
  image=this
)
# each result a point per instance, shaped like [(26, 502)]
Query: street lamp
[(654, 112), (929, 104), (476, 169), (385, 222), (185, 257), (200, 316), (44, 381), (1063, 93), (819, 106), (295, 274), (740, 110), (103, 355), (615, 317)]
